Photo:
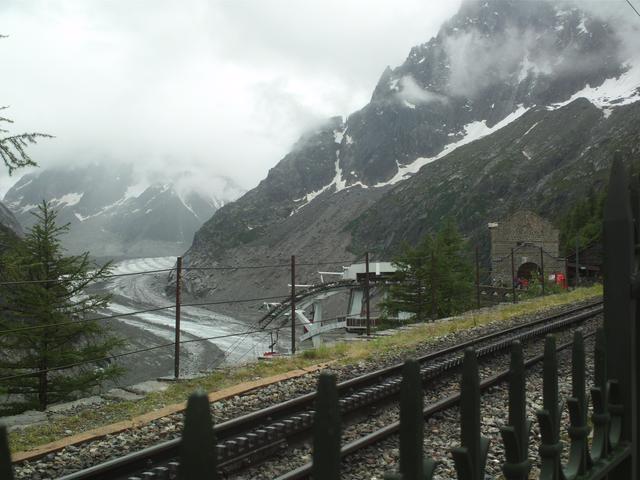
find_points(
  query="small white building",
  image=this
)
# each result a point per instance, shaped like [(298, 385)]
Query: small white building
[(377, 271)]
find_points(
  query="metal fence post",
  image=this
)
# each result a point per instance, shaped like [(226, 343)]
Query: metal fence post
[(6, 469), (600, 418), (579, 459), (176, 367), (550, 416), (198, 455), (619, 309), (326, 430), (366, 293), (293, 304), (516, 435), (413, 465), (471, 457)]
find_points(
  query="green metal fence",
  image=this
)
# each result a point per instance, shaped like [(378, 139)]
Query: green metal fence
[(611, 453)]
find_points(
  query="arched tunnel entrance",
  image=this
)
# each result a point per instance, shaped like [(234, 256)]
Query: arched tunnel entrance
[(528, 271)]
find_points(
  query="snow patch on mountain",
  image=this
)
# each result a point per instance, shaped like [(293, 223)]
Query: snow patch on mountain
[(135, 190), (20, 187), (614, 92), (186, 205), (339, 183), (67, 200), (472, 131), (24, 208), (530, 128)]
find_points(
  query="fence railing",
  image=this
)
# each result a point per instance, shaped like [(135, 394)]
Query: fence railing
[(611, 454)]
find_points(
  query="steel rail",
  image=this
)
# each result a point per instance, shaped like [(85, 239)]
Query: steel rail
[(274, 424), (393, 428)]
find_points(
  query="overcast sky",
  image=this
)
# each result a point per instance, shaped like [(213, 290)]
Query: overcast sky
[(219, 87)]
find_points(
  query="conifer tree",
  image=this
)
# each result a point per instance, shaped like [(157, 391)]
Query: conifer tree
[(433, 279), (49, 343), (408, 292), (13, 146), (454, 270)]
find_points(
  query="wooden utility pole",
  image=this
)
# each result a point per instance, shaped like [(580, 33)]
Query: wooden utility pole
[(477, 278), (293, 304), (542, 270), (513, 276), (366, 293), (176, 370), (577, 262), (434, 296)]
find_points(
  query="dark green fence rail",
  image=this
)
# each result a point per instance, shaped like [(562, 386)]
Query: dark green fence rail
[(612, 453)]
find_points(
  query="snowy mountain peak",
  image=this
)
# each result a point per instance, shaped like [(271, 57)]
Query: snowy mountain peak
[(498, 68), (118, 214)]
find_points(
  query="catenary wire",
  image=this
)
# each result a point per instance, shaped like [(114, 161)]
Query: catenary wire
[(137, 312), (634, 8), (142, 350), (167, 270)]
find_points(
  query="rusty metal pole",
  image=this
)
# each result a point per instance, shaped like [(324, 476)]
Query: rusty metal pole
[(434, 296), (477, 278), (293, 304), (513, 277), (577, 262), (542, 270), (176, 359), (366, 293)]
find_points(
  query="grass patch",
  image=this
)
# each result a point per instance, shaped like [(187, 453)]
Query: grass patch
[(342, 353)]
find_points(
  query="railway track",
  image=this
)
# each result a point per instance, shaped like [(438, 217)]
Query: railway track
[(360, 444), (247, 440)]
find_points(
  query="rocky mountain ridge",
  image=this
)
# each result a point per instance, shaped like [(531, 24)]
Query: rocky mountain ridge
[(455, 130), (112, 212)]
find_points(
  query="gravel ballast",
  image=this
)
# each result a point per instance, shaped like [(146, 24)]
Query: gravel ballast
[(74, 458)]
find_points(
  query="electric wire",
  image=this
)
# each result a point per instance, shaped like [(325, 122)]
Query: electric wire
[(634, 8), (256, 324), (137, 312), (141, 350), (167, 270)]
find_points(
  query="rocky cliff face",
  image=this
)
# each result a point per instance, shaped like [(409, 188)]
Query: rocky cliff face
[(543, 162), (513, 103), (8, 222)]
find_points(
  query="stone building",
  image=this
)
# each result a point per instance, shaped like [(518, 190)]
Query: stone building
[(535, 243)]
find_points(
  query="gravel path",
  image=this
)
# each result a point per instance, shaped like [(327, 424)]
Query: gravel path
[(82, 456)]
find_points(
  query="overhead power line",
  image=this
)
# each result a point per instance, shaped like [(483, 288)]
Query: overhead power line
[(142, 350), (167, 270), (138, 312), (634, 8)]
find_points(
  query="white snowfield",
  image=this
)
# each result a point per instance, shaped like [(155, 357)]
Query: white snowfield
[(471, 132), (136, 292), (67, 200), (614, 92)]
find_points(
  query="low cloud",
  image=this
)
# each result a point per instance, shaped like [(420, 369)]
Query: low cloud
[(413, 93), (223, 89), (477, 60)]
